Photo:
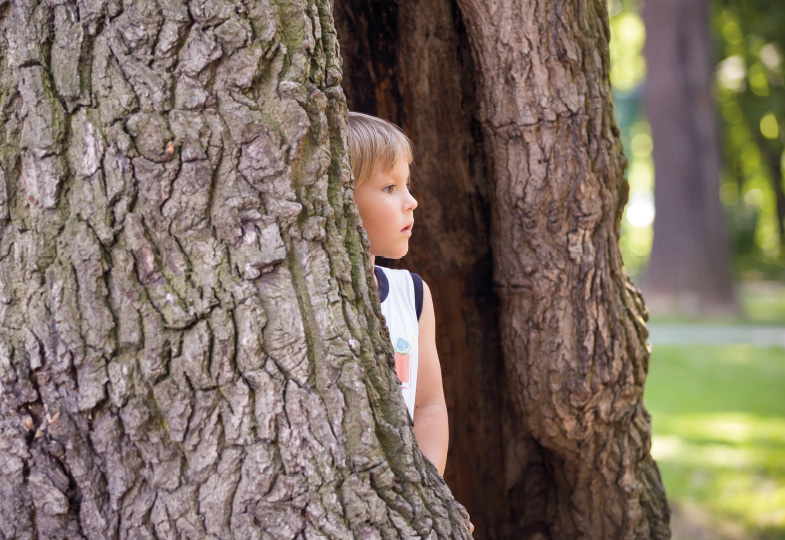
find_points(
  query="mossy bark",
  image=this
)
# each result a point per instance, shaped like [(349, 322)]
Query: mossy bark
[(190, 346)]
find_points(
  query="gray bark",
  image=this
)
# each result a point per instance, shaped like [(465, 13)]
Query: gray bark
[(190, 346)]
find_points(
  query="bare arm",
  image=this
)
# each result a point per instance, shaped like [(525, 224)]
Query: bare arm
[(430, 411)]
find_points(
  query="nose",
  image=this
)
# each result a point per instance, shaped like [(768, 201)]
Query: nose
[(410, 203)]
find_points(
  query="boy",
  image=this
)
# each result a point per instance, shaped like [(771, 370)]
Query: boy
[(380, 155)]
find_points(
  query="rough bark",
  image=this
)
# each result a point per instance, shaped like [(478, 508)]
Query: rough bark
[(572, 323), (190, 345), (689, 268), (410, 63), (576, 445)]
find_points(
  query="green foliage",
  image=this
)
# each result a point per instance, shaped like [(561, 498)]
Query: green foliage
[(718, 422), (749, 46), (628, 70), (750, 95)]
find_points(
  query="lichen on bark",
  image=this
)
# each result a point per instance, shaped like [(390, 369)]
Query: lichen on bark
[(190, 344)]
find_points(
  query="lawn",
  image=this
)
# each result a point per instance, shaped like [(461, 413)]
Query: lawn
[(718, 421)]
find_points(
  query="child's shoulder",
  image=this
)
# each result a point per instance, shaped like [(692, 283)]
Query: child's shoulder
[(392, 271), (395, 271), (400, 275), (400, 278)]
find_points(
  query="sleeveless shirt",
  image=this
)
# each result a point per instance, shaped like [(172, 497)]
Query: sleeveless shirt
[(401, 293)]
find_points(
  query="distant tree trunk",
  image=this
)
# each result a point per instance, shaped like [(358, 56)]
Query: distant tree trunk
[(545, 191), (190, 346), (689, 269)]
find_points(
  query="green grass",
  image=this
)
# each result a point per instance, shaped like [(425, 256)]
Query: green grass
[(718, 421)]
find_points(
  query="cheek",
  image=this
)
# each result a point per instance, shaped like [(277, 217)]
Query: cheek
[(384, 216), (374, 224), (368, 212), (362, 206), (365, 214), (377, 219)]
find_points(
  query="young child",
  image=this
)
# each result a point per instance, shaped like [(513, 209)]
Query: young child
[(380, 155)]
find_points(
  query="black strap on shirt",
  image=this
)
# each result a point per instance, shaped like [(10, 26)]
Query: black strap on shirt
[(384, 285), (417, 293), (384, 288)]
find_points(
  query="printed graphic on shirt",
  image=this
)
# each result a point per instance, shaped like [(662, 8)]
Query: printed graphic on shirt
[(403, 351)]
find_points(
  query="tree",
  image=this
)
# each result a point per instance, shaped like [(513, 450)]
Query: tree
[(190, 342), (689, 268), (519, 179)]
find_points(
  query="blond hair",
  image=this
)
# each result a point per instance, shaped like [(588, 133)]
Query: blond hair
[(375, 144)]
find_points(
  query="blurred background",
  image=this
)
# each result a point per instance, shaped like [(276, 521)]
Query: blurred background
[(700, 101)]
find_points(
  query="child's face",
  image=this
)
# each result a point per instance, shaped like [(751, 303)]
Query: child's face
[(386, 209)]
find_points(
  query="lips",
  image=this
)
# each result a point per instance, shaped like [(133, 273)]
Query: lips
[(408, 228)]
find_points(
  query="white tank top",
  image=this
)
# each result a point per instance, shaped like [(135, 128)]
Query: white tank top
[(400, 292)]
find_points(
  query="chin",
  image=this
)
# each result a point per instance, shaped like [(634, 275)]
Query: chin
[(397, 254)]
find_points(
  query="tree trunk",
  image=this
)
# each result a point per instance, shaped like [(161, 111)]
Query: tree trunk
[(545, 191), (190, 345), (572, 323), (689, 268)]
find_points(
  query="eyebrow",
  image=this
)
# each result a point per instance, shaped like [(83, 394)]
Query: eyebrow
[(408, 179)]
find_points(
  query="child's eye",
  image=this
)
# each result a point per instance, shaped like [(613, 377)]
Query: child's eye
[(389, 189)]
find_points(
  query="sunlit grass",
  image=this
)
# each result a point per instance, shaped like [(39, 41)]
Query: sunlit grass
[(718, 420)]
